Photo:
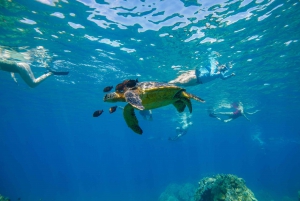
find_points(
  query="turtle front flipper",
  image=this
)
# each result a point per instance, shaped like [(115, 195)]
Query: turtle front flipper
[(134, 99), (180, 105), (131, 120)]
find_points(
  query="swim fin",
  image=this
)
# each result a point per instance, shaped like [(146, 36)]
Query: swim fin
[(211, 113), (59, 73)]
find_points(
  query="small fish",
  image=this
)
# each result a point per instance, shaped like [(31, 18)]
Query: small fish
[(131, 83), (112, 109), (97, 113), (107, 89), (120, 87)]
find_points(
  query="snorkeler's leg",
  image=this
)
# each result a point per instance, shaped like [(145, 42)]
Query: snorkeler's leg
[(217, 118), (173, 138), (198, 75), (214, 116), (187, 79), (212, 113), (229, 114), (228, 120), (28, 77), (225, 113)]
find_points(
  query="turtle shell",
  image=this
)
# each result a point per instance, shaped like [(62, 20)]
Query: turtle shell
[(156, 94)]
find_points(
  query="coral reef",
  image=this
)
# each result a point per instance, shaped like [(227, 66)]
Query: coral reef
[(176, 192), (223, 187), (2, 198)]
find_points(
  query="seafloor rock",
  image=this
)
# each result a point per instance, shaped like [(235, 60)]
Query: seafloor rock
[(2, 198), (298, 195), (223, 187)]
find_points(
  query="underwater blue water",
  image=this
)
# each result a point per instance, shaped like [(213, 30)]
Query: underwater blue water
[(51, 148)]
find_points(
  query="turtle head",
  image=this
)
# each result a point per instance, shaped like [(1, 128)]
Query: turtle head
[(114, 97)]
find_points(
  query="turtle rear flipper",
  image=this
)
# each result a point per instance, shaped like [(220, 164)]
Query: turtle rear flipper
[(188, 95), (134, 99), (184, 97), (187, 102), (180, 105), (131, 120)]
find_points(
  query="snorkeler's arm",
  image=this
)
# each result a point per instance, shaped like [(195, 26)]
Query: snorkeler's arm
[(253, 112), (225, 77), (13, 77), (246, 117), (150, 115)]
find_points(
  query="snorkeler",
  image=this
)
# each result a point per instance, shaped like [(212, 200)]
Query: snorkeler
[(239, 112), (203, 75), (26, 73), (146, 114), (180, 131), (183, 129)]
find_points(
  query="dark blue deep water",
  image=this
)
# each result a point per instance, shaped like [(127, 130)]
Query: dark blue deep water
[(51, 147)]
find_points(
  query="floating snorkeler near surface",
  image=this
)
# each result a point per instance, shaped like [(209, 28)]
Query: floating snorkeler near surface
[(239, 112), (26, 73), (204, 75)]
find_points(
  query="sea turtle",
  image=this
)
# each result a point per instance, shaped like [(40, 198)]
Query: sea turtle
[(150, 95)]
